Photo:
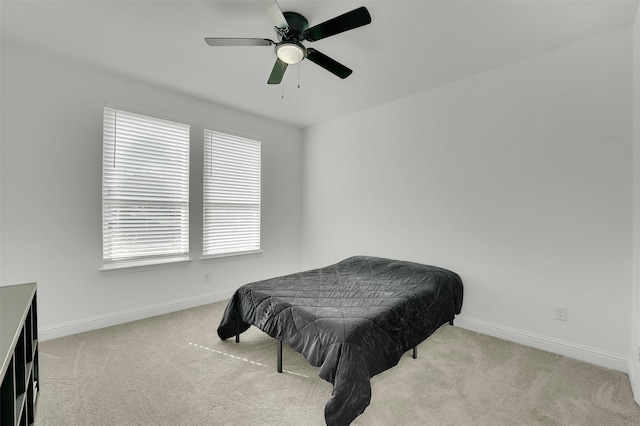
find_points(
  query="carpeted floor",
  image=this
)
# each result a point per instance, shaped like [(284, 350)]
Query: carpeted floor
[(174, 370)]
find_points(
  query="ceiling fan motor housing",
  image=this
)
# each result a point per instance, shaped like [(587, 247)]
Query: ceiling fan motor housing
[(289, 49), (298, 24)]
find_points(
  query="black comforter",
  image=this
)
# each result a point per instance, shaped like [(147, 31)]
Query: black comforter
[(353, 319)]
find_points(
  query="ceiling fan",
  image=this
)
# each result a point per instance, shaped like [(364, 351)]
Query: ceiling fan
[(293, 28)]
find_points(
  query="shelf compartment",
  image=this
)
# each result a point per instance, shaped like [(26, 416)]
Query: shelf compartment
[(19, 354)]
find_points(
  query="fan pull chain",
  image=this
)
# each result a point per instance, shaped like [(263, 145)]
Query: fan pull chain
[(298, 75)]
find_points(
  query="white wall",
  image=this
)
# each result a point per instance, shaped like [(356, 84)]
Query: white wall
[(634, 357), (519, 179), (51, 196)]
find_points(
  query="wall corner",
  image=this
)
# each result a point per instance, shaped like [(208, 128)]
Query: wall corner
[(634, 355)]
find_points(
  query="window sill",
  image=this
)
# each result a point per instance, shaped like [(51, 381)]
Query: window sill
[(144, 263), (221, 256)]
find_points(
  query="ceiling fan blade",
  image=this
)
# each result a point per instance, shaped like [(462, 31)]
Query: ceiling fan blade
[(226, 41), (347, 21), (277, 72), (274, 13), (328, 64)]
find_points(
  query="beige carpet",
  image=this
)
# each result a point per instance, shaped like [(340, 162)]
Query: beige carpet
[(173, 370)]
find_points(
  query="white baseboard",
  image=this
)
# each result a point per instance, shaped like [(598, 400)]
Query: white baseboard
[(108, 320), (549, 344), (635, 385), (572, 350)]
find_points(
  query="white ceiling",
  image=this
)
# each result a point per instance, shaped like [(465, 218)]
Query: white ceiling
[(409, 46)]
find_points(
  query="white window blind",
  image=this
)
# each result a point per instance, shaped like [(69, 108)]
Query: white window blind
[(145, 187), (231, 194)]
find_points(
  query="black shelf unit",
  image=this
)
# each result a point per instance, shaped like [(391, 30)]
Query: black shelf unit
[(19, 354)]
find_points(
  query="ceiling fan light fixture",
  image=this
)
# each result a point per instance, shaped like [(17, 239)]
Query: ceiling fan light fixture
[(290, 52)]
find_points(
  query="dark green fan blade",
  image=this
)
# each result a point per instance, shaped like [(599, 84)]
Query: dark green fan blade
[(227, 41), (328, 64), (348, 21), (277, 72)]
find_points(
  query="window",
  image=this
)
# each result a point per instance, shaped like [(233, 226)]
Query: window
[(145, 188), (231, 194)]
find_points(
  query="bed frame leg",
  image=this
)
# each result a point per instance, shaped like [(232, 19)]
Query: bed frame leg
[(415, 352), (451, 321), (238, 332), (279, 356)]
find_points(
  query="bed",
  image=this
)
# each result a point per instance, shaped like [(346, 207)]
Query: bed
[(353, 319)]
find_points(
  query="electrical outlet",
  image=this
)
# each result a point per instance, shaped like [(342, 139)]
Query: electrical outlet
[(639, 353), (207, 277), (561, 313)]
